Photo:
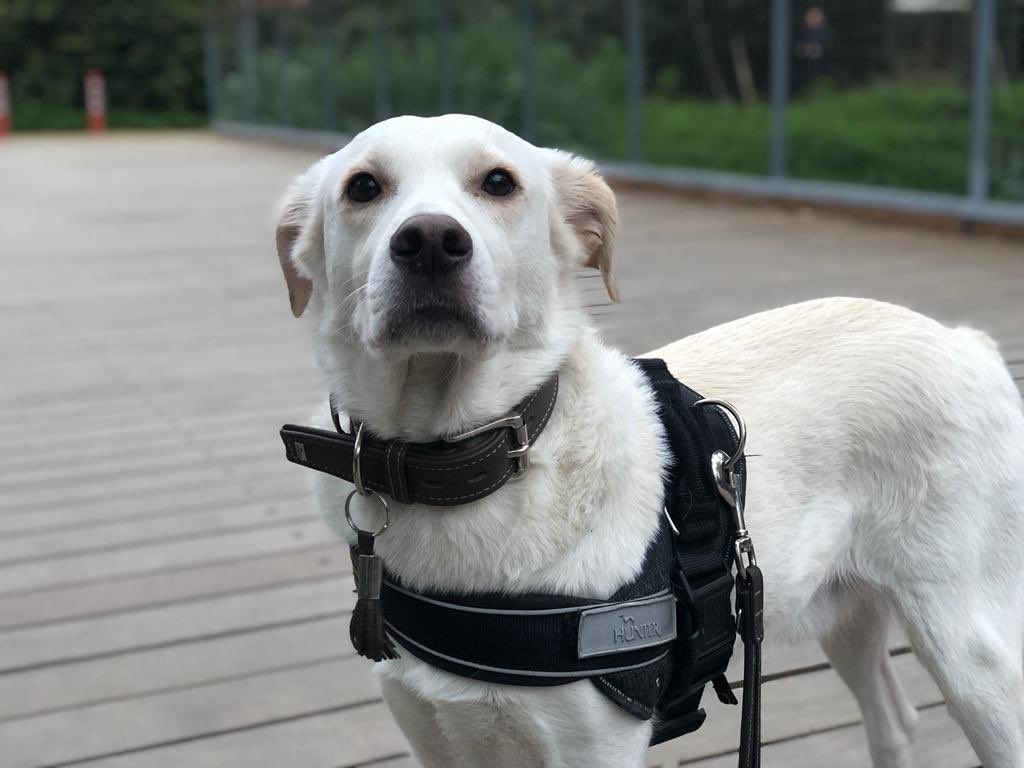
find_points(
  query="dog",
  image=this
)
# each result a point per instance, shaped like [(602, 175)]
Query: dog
[(433, 261)]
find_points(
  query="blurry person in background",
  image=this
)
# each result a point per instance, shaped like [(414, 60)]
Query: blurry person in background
[(812, 47)]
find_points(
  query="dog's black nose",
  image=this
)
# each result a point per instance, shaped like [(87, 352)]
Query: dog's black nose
[(431, 244)]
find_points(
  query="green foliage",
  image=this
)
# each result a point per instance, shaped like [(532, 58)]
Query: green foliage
[(889, 133), (150, 51), (892, 135)]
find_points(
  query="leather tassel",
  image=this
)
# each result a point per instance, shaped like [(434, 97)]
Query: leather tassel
[(366, 628)]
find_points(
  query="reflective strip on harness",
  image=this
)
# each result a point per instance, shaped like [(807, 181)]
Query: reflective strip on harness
[(559, 640)]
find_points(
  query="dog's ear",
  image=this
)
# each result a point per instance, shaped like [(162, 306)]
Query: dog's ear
[(300, 238), (587, 205)]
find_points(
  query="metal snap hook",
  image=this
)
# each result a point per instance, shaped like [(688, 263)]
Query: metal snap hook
[(730, 486)]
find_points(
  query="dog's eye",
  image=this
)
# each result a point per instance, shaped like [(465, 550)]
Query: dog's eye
[(499, 182), (362, 188)]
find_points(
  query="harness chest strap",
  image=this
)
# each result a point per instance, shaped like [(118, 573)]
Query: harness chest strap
[(655, 644), (535, 640), (459, 470)]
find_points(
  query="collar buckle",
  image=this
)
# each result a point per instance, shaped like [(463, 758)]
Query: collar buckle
[(520, 437)]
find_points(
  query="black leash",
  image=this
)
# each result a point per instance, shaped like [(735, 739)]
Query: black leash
[(750, 614), (731, 481)]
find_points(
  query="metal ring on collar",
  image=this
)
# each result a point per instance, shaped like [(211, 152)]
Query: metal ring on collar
[(362, 490), (351, 522), (357, 470), (741, 427)]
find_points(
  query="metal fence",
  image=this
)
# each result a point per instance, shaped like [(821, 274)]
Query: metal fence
[(915, 105)]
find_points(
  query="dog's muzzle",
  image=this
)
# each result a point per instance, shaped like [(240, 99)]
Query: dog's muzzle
[(429, 294)]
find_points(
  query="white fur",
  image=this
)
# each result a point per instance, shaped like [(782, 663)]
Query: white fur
[(886, 456)]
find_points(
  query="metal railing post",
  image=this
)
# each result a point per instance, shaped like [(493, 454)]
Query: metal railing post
[(779, 76), (982, 38), (635, 65), (284, 94), (446, 44), (213, 69), (382, 82), (325, 64), (248, 42), (528, 105)]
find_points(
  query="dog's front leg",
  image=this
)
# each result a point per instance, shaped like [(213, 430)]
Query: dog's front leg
[(462, 724)]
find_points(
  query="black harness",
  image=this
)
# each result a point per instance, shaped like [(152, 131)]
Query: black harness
[(653, 646)]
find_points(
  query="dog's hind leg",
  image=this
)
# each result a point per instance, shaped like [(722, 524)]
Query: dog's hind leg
[(972, 646), (858, 650)]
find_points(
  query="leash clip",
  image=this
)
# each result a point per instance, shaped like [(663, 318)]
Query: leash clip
[(730, 486), (520, 436)]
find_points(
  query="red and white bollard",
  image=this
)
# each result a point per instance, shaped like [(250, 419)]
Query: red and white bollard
[(95, 101), (5, 105)]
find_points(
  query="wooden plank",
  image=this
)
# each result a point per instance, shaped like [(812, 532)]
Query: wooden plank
[(121, 632), (93, 489), (77, 601), (105, 407), (186, 664), (140, 723), (937, 742), (156, 450), (346, 737), (171, 555), (45, 471), (244, 489), (149, 530), (149, 406)]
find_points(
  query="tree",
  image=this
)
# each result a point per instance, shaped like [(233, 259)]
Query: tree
[(150, 51)]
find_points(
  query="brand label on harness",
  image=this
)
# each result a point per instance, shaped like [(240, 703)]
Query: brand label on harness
[(627, 626)]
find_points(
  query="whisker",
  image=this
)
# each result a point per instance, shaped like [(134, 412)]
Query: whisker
[(353, 293), (344, 301)]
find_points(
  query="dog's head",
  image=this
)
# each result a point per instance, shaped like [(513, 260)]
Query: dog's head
[(447, 234)]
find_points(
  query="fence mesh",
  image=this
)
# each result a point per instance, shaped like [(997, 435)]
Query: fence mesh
[(878, 91)]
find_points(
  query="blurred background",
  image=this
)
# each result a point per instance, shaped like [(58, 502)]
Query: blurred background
[(875, 92), (168, 596)]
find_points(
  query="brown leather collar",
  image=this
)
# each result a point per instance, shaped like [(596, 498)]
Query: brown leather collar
[(448, 472)]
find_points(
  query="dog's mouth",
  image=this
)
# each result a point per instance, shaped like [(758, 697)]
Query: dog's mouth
[(434, 320)]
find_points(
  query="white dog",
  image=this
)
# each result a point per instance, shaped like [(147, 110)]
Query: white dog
[(889, 469)]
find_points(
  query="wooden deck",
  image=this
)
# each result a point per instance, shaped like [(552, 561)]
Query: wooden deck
[(167, 595)]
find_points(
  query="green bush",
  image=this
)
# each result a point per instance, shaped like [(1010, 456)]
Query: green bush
[(149, 50), (892, 135)]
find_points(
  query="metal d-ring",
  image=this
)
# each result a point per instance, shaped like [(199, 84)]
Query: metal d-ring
[(351, 522), (741, 428), (362, 490)]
